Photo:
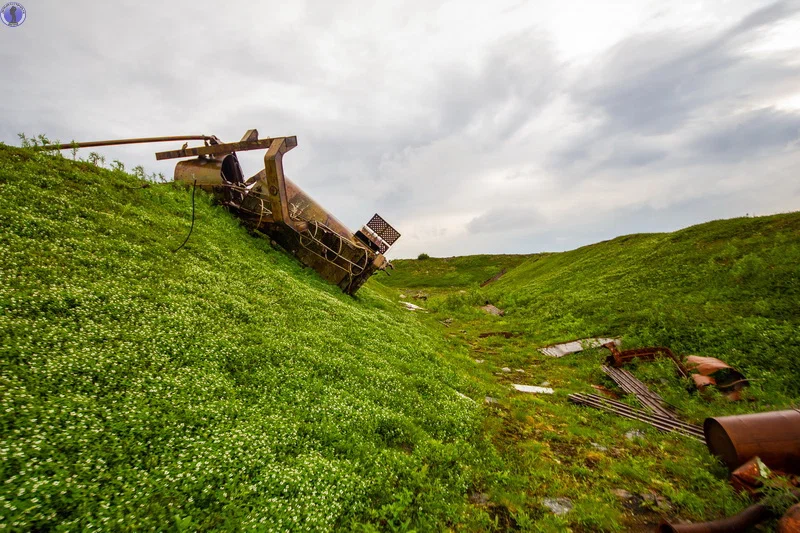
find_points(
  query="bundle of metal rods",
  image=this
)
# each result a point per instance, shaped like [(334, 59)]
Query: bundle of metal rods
[(664, 423), (631, 385)]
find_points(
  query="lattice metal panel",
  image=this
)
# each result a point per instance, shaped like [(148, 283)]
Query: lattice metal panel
[(383, 229)]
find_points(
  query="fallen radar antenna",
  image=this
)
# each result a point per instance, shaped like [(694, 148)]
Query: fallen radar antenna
[(270, 203)]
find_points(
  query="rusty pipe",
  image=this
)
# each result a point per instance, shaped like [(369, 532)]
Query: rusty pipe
[(733, 524), (773, 436), (91, 144), (741, 522)]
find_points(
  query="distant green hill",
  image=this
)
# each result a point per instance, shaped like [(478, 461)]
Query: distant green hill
[(449, 272), (728, 288), (220, 387)]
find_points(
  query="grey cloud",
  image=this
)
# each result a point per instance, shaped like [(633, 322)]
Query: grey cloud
[(748, 135), (515, 79), (506, 219), (650, 88)]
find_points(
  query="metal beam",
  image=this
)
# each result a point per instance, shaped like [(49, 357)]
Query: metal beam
[(91, 144), (226, 148)]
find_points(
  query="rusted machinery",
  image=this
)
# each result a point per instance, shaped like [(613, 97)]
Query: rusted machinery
[(773, 436), (742, 442), (270, 203)]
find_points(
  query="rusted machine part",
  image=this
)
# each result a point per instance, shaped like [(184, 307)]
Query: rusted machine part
[(741, 522), (712, 371), (626, 411), (773, 436), (618, 358), (646, 397), (747, 478), (790, 523), (250, 141), (138, 140), (271, 203), (274, 205)]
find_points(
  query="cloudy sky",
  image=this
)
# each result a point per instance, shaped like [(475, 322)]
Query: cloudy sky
[(473, 127)]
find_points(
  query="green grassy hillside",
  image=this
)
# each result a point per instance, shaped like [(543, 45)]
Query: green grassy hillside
[(450, 272), (728, 289), (220, 387), (224, 387)]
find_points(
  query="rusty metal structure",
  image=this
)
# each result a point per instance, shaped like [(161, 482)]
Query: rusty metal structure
[(270, 203), (712, 371), (663, 423), (773, 436), (631, 385), (741, 522), (618, 358)]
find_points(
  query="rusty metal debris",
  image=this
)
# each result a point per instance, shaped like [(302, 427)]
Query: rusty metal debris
[(664, 423), (646, 397), (748, 477), (618, 358), (270, 203), (750, 446), (738, 523), (773, 436), (576, 345), (712, 371)]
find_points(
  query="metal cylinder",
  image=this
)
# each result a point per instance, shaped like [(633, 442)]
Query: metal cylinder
[(773, 436), (209, 172)]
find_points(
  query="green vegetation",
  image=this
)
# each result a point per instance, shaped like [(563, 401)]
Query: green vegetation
[(423, 256), (728, 289), (449, 272), (224, 387)]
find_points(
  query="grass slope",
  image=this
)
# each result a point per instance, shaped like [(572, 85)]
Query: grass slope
[(450, 272), (728, 289), (220, 387)]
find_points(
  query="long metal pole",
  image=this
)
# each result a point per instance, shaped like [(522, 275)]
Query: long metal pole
[(90, 144)]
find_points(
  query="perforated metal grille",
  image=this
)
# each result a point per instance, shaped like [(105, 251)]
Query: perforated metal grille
[(383, 229)]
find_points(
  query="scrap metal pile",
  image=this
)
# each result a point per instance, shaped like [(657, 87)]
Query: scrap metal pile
[(754, 447), (270, 203)]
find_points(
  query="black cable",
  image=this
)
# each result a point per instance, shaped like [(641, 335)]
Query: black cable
[(194, 186)]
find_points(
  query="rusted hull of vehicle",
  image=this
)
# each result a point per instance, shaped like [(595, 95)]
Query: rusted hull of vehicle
[(618, 358), (272, 204), (772, 436)]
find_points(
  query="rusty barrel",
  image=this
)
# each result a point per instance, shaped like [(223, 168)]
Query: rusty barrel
[(773, 436)]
